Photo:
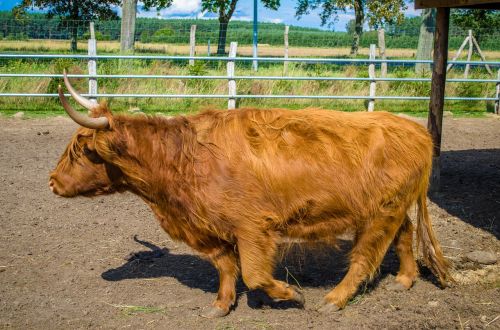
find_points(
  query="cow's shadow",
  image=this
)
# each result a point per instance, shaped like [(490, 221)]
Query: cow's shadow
[(470, 187), (300, 266)]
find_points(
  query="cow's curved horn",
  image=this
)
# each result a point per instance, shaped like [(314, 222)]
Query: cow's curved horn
[(81, 119), (86, 103)]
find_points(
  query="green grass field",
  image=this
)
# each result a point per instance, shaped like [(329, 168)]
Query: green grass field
[(42, 106)]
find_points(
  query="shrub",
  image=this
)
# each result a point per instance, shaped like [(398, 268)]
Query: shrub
[(98, 36), (162, 35)]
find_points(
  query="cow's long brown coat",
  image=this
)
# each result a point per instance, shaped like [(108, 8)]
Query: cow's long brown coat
[(230, 184)]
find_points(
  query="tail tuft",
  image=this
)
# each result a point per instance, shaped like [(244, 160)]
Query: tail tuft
[(431, 250)]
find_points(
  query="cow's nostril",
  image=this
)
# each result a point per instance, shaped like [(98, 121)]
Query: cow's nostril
[(51, 185)]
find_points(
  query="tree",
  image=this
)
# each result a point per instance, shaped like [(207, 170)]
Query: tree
[(71, 11), (129, 13), (378, 13), (479, 20), (225, 9), (426, 39)]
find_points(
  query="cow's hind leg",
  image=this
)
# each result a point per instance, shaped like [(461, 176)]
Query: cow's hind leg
[(366, 256), (226, 262), (403, 243), (257, 258)]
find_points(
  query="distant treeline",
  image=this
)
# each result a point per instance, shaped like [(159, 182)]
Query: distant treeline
[(154, 30)]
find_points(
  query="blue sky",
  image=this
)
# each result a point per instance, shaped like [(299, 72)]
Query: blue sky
[(244, 11)]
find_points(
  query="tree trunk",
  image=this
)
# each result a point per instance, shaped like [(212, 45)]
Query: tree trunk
[(221, 46), (74, 36), (127, 34), (358, 27), (425, 40)]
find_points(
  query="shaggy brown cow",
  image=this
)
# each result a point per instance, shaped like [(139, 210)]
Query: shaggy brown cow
[(231, 184)]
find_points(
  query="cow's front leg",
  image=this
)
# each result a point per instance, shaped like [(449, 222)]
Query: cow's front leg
[(257, 257), (226, 262)]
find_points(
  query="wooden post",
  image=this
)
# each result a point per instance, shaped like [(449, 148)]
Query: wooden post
[(192, 43), (381, 46), (371, 73), (459, 51), (436, 104), (208, 48), (92, 64), (481, 54), (231, 103), (285, 63), (497, 101), (469, 55)]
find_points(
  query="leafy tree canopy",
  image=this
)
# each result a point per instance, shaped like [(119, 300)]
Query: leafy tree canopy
[(475, 19), (158, 4), (71, 9), (225, 8), (378, 13)]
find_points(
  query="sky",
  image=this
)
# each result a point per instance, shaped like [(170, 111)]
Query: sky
[(244, 11)]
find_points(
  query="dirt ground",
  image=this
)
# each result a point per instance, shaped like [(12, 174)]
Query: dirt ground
[(105, 262)]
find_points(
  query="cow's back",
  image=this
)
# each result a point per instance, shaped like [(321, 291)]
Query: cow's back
[(322, 162)]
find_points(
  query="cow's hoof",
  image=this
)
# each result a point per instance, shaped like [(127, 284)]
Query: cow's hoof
[(213, 312), (298, 297), (328, 308), (396, 286)]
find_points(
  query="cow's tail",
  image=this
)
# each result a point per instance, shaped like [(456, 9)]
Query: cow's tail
[(426, 240)]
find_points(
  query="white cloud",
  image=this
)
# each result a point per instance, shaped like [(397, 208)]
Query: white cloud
[(184, 7), (274, 20), (179, 8), (242, 18)]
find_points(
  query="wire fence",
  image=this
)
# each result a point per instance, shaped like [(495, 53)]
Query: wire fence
[(158, 31)]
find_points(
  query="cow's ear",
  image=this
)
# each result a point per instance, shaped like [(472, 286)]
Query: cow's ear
[(101, 110)]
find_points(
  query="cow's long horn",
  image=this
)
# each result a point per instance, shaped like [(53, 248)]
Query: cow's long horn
[(86, 103), (81, 119)]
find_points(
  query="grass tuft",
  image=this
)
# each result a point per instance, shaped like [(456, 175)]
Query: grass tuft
[(134, 310)]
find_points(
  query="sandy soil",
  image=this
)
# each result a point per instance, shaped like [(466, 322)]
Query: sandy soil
[(105, 262)]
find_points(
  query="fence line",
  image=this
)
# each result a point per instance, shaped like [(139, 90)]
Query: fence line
[(242, 59), (177, 31), (232, 95), (139, 76), (262, 96)]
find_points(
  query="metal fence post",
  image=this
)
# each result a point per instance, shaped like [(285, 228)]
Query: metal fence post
[(192, 43), (231, 84), (497, 101), (92, 64), (373, 84), (255, 64)]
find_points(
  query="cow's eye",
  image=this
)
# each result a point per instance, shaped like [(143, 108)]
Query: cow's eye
[(86, 151), (92, 155)]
